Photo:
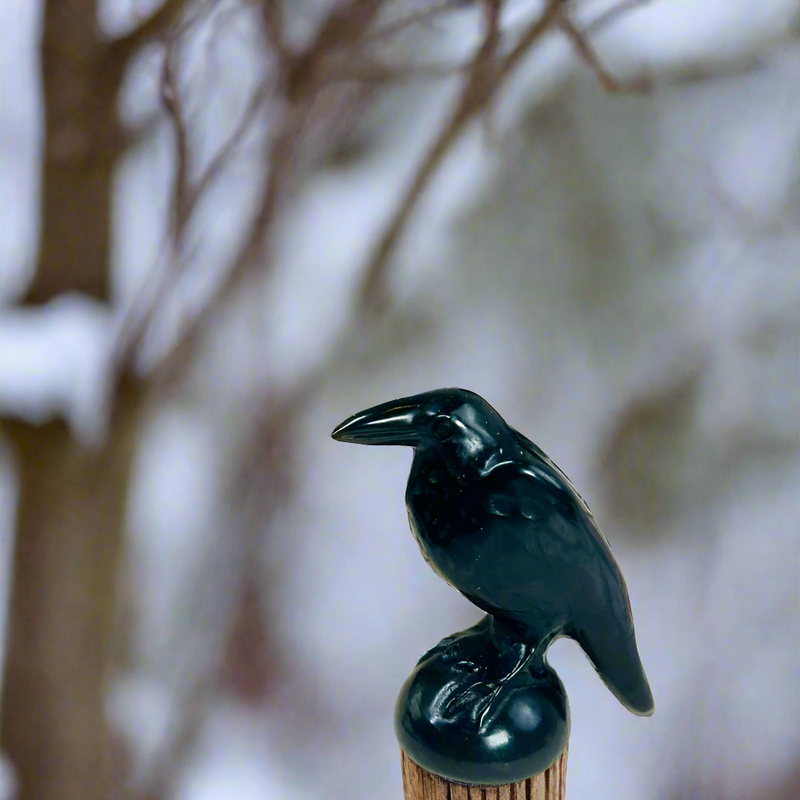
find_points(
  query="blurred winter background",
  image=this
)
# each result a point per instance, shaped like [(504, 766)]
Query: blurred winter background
[(225, 225)]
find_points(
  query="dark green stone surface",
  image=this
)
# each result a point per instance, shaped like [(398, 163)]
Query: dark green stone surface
[(499, 521), (459, 715)]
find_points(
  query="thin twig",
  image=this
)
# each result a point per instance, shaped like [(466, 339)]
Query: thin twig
[(186, 199), (492, 11), (342, 28), (590, 57), (171, 100), (613, 14), (416, 18), (531, 35), (273, 28), (341, 32), (217, 164), (156, 25), (476, 95)]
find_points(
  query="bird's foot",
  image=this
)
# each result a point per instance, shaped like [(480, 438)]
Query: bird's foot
[(480, 695), (484, 709), (472, 697)]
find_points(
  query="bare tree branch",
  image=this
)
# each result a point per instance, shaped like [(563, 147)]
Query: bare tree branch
[(531, 35), (475, 96), (273, 26), (171, 100), (155, 26), (184, 203), (288, 149), (590, 57), (341, 31), (613, 14), (416, 18)]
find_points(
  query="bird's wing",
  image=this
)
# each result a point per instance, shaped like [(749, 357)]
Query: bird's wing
[(562, 536), (549, 468), (567, 537)]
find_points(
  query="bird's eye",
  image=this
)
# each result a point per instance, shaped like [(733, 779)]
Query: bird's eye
[(443, 428)]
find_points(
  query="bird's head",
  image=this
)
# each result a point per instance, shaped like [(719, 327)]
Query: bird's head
[(457, 424)]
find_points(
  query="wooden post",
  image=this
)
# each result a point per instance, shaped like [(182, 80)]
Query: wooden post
[(419, 784)]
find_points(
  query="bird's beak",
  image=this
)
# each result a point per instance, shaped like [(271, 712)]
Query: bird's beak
[(389, 423)]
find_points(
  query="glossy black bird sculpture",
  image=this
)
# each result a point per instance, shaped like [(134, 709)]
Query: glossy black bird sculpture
[(500, 522)]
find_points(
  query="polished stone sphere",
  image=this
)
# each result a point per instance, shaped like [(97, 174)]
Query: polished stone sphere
[(466, 715)]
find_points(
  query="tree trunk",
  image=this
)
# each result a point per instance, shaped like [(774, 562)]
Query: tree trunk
[(65, 566), (70, 508), (83, 140)]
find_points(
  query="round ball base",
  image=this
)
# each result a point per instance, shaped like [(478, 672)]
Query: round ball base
[(466, 715)]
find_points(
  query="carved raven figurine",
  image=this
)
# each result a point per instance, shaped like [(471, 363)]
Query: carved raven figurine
[(499, 521)]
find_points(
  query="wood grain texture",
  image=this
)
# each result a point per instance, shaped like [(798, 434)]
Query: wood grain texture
[(419, 784)]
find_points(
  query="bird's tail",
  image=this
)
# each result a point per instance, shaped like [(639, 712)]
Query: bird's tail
[(616, 658)]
